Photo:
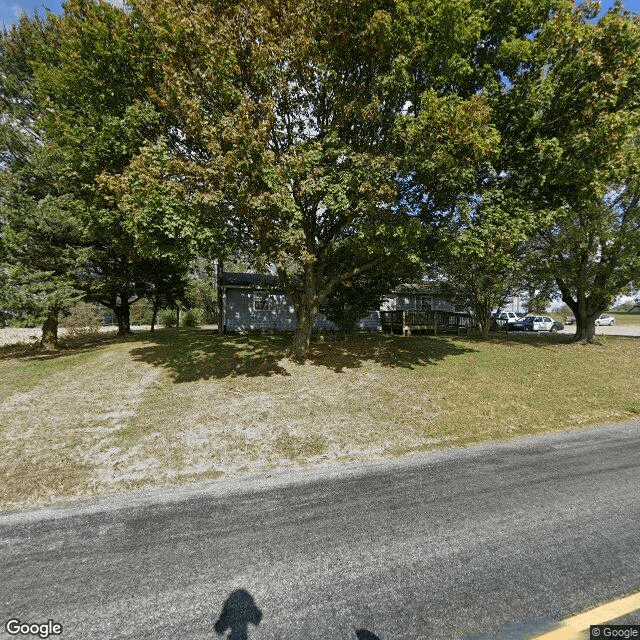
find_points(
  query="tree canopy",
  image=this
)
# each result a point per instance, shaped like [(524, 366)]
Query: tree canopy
[(328, 141), (41, 242), (573, 121), (86, 78), (305, 125)]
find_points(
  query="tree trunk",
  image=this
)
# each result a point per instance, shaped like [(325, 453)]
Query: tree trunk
[(49, 340), (484, 324), (586, 312), (483, 319), (123, 314), (585, 325), (177, 317), (221, 295), (154, 316), (302, 337)]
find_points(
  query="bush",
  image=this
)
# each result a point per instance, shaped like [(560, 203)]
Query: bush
[(203, 295), (192, 317), (141, 312), (167, 318), (82, 320), (625, 307)]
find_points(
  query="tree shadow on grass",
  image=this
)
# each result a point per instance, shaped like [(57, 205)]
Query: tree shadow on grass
[(194, 354), (386, 350), (201, 354), (543, 340)]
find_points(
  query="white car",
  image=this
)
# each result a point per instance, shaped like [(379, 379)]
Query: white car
[(604, 319), (508, 316)]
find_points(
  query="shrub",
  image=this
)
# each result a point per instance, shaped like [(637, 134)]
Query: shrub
[(167, 318), (202, 294), (192, 317), (141, 312), (82, 320)]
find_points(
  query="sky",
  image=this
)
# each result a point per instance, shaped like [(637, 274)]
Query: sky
[(10, 10)]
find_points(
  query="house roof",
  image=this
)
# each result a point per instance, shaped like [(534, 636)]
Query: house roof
[(230, 279), (267, 281), (429, 288)]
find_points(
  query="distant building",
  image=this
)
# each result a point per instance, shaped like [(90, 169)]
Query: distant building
[(517, 303)]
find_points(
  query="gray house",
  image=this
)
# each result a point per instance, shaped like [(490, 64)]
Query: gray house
[(425, 296), (252, 301)]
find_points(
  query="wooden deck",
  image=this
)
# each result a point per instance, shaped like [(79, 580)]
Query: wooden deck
[(405, 321)]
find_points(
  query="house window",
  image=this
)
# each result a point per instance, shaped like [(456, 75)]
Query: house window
[(425, 303), (262, 301)]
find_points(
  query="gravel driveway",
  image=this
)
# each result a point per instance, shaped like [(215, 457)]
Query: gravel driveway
[(10, 335)]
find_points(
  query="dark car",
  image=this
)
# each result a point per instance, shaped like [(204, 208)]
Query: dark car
[(524, 324)]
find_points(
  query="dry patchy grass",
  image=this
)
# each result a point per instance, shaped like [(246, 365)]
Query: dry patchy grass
[(108, 415), (624, 318)]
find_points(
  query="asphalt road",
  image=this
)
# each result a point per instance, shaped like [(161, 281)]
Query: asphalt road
[(493, 541)]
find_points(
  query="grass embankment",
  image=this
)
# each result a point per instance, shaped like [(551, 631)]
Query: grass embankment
[(108, 415), (625, 318)]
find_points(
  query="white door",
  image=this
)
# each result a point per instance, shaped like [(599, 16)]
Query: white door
[(545, 324)]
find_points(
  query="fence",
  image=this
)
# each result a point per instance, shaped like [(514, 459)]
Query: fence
[(405, 321)]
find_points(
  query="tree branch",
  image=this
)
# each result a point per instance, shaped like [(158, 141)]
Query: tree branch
[(334, 282)]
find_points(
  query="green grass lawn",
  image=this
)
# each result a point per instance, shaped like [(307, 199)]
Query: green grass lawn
[(107, 415), (625, 318)]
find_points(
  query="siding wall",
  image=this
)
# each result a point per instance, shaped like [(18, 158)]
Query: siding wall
[(241, 316), (370, 322), (398, 302), (440, 304)]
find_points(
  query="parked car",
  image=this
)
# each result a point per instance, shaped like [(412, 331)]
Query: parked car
[(524, 324), (538, 323), (604, 319), (501, 319), (569, 319), (507, 316)]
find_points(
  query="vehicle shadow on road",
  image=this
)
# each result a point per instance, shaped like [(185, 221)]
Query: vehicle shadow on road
[(238, 612)]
